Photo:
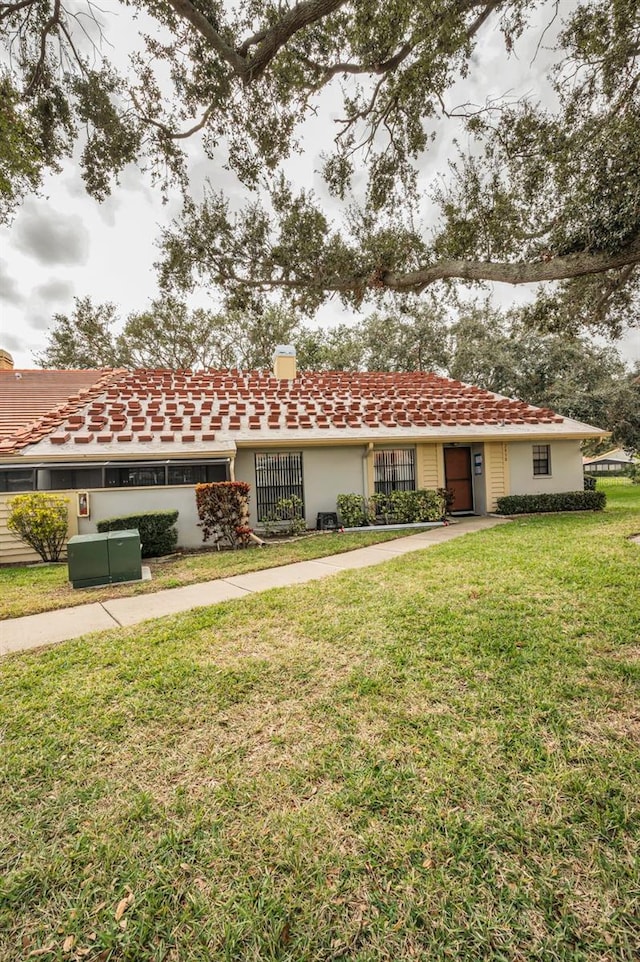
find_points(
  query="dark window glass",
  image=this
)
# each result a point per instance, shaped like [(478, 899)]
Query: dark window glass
[(395, 470), (135, 476), (197, 473), (72, 479), (277, 476), (541, 459), (16, 480)]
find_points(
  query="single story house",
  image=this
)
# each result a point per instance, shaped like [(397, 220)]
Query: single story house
[(613, 462), (120, 442)]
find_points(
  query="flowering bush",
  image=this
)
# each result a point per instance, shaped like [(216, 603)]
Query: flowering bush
[(223, 509), (40, 520)]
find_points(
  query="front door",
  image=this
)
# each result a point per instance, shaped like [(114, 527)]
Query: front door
[(458, 478)]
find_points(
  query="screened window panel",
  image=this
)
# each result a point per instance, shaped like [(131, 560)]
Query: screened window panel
[(136, 476), (277, 476), (395, 470), (62, 479), (197, 473), (16, 480)]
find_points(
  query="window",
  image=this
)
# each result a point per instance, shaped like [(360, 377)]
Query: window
[(541, 459), (277, 476), (196, 473), (135, 476), (20, 480), (395, 470), (72, 479)]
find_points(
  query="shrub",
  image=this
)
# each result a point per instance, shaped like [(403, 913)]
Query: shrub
[(397, 507), (589, 483), (286, 518), (566, 501), (223, 509), (41, 521), (352, 509), (158, 534), (448, 498)]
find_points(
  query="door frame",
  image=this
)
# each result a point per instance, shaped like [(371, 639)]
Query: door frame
[(472, 509)]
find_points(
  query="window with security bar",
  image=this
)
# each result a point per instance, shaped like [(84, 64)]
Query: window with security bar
[(277, 476), (395, 470)]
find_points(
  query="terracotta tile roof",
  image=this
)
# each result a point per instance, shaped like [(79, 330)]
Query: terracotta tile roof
[(32, 402), (127, 410)]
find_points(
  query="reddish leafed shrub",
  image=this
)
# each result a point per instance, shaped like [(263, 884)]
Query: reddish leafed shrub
[(223, 509)]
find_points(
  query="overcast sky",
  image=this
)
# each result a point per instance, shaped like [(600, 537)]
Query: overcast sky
[(64, 244)]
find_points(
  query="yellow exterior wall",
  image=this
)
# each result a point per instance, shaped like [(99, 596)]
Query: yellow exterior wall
[(496, 459), (13, 551), (429, 466), (371, 474)]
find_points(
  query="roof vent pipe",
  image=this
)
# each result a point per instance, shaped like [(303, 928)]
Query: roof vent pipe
[(284, 362)]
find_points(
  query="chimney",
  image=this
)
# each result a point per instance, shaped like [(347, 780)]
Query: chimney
[(284, 362), (6, 361)]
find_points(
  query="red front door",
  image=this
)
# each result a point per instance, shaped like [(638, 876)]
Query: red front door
[(458, 478)]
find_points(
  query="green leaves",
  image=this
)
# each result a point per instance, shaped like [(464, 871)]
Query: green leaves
[(40, 521)]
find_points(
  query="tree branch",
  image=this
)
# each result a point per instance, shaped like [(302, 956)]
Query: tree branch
[(299, 17), (560, 268), (613, 286), (8, 8), (186, 10), (53, 21)]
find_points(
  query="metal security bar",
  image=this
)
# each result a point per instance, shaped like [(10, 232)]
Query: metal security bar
[(395, 470), (277, 476)]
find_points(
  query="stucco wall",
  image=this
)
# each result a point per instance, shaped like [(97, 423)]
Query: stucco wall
[(326, 472), (566, 468), (117, 501)]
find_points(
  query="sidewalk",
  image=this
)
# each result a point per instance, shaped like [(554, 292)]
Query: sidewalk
[(51, 627)]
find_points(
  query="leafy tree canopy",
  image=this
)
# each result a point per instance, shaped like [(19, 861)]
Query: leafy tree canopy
[(543, 190), (167, 334)]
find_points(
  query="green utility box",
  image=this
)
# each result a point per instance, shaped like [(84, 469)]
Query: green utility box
[(102, 559), (124, 555)]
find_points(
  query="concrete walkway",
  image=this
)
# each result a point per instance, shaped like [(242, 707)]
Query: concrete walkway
[(50, 627)]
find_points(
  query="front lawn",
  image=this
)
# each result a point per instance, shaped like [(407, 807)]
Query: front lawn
[(29, 589), (434, 759)]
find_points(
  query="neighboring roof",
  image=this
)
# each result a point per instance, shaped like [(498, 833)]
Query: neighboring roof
[(154, 411), (28, 396), (616, 455)]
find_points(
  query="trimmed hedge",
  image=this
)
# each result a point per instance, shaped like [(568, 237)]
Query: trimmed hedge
[(397, 507), (565, 501), (589, 483), (158, 534)]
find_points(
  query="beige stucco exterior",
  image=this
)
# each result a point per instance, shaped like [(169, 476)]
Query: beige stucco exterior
[(113, 502), (326, 472), (566, 468), (504, 467)]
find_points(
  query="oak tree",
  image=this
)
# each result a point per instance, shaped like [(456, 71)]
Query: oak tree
[(545, 189)]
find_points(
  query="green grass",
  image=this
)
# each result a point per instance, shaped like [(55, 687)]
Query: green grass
[(29, 589), (436, 758)]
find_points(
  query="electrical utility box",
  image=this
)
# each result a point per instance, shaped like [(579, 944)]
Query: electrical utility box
[(102, 559), (124, 555)]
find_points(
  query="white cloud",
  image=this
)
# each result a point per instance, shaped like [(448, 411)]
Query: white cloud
[(50, 237)]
